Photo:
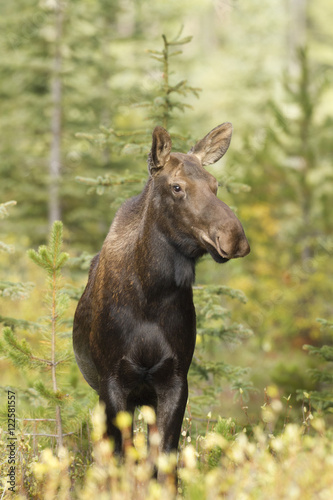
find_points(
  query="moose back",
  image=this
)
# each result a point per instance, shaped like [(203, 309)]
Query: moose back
[(134, 327)]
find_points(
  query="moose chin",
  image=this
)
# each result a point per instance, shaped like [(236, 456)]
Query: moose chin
[(134, 326)]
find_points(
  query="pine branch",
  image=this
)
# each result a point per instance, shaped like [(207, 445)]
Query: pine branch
[(325, 323), (55, 397), (4, 208), (83, 261), (16, 291), (100, 183), (14, 323), (325, 352), (234, 333), (221, 290), (6, 248), (324, 374), (20, 352)]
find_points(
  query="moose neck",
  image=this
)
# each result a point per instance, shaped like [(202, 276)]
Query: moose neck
[(156, 253), (166, 265), (138, 242)]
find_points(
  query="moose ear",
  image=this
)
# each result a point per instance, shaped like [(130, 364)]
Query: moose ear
[(214, 145), (160, 150)]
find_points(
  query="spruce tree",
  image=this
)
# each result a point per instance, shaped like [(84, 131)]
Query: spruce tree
[(291, 216), (302, 132), (40, 58), (322, 398), (45, 361), (162, 108)]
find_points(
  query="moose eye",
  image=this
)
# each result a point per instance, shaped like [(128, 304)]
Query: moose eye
[(176, 188)]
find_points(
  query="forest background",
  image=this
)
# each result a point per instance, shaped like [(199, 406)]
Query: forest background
[(82, 85)]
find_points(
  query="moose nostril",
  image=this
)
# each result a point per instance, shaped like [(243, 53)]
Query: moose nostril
[(222, 252), (233, 248)]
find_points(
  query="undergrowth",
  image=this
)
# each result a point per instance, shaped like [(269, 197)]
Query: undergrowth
[(227, 461)]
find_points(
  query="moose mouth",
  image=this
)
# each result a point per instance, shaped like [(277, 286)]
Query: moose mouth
[(214, 249)]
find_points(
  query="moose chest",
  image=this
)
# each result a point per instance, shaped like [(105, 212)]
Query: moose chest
[(129, 317)]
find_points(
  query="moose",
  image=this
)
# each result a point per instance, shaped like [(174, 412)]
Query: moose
[(135, 325)]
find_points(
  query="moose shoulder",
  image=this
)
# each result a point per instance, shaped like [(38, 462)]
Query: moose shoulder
[(134, 327)]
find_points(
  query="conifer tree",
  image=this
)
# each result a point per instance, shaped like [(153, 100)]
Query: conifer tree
[(161, 109), (53, 56), (291, 210), (322, 399), (302, 134), (54, 347)]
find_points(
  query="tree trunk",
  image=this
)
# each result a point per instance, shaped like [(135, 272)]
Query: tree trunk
[(56, 96), (297, 33), (53, 358)]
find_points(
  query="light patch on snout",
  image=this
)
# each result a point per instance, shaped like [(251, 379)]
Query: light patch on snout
[(204, 237)]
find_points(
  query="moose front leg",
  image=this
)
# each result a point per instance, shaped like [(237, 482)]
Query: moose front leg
[(115, 401), (171, 406)]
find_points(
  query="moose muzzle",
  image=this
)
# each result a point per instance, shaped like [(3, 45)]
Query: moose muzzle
[(225, 238)]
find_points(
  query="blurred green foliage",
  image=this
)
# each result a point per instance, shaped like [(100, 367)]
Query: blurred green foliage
[(322, 398), (279, 165)]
